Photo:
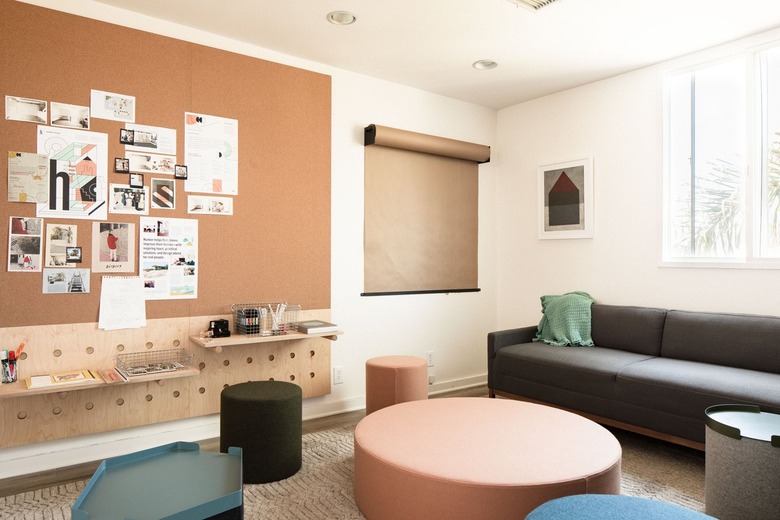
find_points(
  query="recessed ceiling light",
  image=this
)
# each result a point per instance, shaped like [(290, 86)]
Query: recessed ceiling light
[(341, 18), (484, 64)]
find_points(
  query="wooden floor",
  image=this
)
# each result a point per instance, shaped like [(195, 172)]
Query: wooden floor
[(16, 485)]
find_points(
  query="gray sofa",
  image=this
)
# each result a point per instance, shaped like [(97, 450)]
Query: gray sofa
[(652, 371)]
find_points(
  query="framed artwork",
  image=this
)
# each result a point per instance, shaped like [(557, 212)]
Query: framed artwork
[(566, 199)]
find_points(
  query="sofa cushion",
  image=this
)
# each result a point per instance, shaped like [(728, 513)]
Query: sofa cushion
[(566, 319), (634, 329), (687, 388), (733, 340), (581, 369)]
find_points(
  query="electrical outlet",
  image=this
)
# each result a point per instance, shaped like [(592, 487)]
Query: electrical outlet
[(429, 356), (338, 375)]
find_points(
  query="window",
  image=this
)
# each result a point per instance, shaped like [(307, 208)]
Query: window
[(722, 122)]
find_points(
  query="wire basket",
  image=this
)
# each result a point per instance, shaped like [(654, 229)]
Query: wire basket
[(145, 363), (265, 319)]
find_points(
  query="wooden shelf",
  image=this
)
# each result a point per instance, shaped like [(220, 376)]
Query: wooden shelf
[(19, 388), (238, 339)]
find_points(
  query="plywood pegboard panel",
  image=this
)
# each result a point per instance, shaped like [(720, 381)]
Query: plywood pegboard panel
[(276, 246), (66, 413)]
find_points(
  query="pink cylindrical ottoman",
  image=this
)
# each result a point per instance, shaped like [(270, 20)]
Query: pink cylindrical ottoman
[(477, 458), (395, 379)]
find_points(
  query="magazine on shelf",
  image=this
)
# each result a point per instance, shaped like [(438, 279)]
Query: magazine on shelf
[(315, 326), (63, 379)]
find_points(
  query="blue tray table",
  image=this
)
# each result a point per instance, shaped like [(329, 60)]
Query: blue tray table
[(176, 481)]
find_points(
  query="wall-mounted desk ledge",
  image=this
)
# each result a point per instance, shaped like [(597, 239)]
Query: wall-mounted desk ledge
[(240, 339), (19, 388)]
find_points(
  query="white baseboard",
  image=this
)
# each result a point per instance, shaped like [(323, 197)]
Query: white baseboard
[(46, 456)]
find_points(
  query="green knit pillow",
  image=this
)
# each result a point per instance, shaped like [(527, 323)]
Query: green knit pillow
[(565, 320)]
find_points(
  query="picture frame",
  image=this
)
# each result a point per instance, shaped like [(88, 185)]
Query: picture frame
[(565, 206), (73, 255), (126, 136), (136, 180), (121, 165), (180, 171)]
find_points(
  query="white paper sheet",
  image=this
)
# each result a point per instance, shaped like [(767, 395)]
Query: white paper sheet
[(122, 303)]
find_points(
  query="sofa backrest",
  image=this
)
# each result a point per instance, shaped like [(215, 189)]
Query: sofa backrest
[(634, 329), (734, 340)]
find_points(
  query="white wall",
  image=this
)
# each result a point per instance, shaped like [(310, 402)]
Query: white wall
[(619, 122), (453, 326)]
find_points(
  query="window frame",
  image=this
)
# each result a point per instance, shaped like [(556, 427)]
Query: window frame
[(753, 210)]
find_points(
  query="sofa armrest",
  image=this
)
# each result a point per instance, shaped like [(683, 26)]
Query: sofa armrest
[(503, 338)]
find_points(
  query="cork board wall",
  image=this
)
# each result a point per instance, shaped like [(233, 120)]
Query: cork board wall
[(275, 247)]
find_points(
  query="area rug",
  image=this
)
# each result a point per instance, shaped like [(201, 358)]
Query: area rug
[(322, 489)]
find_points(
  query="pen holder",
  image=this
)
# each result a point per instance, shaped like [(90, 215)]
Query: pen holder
[(8, 370)]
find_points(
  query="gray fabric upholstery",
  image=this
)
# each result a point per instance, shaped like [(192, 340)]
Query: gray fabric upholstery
[(651, 368), (732, 340), (634, 329)]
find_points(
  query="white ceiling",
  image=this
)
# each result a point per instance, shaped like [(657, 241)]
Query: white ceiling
[(431, 44)]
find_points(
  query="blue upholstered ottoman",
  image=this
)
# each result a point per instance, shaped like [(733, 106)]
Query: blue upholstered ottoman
[(611, 507)]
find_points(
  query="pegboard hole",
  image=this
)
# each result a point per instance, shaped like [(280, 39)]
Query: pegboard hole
[(21, 416), (271, 357), (120, 402), (90, 350), (311, 375), (226, 362), (292, 355), (311, 353), (271, 379), (292, 378), (249, 360), (201, 390), (57, 353), (23, 356), (120, 347), (149, 397), (201, 365), (176, 393), (176, 343), (56, 410), (149, 344), (89, 406), (225, 386)]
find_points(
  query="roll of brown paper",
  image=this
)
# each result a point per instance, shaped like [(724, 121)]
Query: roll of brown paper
[(416, 142)]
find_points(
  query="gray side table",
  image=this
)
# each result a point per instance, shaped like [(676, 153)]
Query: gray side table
[(742, 464)]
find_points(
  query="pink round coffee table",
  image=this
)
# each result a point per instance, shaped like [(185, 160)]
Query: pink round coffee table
[(475, 458)]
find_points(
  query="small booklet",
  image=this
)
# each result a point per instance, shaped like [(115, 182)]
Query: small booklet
[(64, 378), (315, 326)]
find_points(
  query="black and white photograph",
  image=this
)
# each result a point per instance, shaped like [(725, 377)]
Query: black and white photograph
[(70, 116), (180, 171), (126, 136), (151, 163), (58, 238), (73, 255), (26, 109), (136, 180), (63, 281), (128, 200), (121, 165)]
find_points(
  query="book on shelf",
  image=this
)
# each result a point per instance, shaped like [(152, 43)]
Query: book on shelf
[(111, 376), (315, 326), (63, 379)]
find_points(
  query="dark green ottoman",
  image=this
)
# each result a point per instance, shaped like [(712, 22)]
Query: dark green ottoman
[(263, 418)]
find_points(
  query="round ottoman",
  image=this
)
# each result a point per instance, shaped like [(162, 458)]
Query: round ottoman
[(605, 507), (474, 458), (264, 419), (395, 379)]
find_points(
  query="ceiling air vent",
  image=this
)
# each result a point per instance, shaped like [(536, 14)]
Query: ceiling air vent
[(533, 5)]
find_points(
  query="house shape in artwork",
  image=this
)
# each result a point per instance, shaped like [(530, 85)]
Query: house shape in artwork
[(564, 202)]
